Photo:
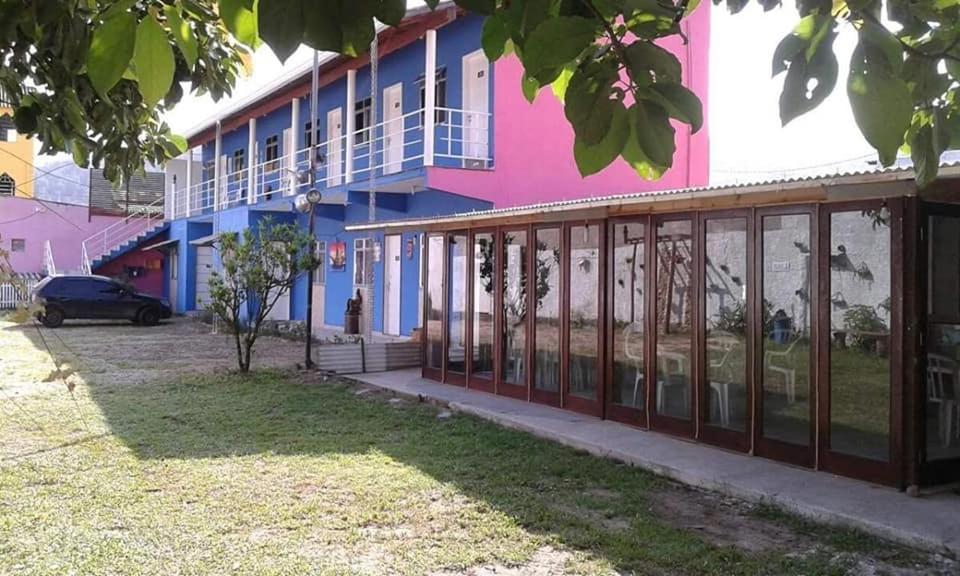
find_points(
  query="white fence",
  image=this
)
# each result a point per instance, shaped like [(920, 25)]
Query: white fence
[(11, 295)]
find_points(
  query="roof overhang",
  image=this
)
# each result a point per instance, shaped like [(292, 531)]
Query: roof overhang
[(856, 186), (165, 245), (204, 240)]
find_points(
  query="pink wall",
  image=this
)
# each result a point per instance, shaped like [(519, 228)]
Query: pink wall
[(65, 226), (533, 143), (150, 283)]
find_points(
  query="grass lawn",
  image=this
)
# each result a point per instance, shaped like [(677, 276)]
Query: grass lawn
[(268, 475)]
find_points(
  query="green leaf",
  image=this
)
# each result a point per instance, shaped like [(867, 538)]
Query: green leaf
[(592, 159), (240, 18), (111, 49), (484, 7), (925, 151), (281, 24), (680, 103), (356, 25), (180, 142), (559, 86), (391, 12), (322, 30), (808, 83), (493, 38), (633, 154), (646, 57), (153, 60), (183, 34), (882, 40), (530, 87), (654, 133), (587, 103), (557, 41), (881, 106)]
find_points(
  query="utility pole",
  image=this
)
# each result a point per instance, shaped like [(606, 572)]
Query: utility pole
[(311, 195), (372, 206)]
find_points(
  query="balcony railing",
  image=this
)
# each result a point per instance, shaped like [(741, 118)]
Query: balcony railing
[(461, 140)]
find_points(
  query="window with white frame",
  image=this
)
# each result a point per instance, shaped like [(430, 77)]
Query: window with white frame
[(271, 153), (237, 164), (7, 185), (320, 274), (18, 245), (361, 251), (440, 96), (309, 135), (362, 120)]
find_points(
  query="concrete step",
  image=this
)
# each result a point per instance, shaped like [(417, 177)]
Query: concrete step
[(380, 357)]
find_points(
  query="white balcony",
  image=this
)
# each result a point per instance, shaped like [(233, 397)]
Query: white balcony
[(461, 139)]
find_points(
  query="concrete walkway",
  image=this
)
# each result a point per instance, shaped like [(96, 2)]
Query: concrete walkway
[(930, 522)]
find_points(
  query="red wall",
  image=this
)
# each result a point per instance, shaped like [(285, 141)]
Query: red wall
[(152, 280)]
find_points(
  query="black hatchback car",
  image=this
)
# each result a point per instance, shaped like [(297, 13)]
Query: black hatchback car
[(95, 297)]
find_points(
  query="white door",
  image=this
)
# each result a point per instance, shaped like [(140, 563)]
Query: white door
[(288, 177), (319, 286), (280, 310), (334, 160), (173, 262), (476, 104), (393, 129), (392, 285), (204, 270)]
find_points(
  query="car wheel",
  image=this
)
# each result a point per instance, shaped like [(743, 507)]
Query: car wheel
[(52, 317), (149, 316)]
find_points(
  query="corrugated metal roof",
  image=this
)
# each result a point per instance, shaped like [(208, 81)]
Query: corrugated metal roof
[(949, 168)]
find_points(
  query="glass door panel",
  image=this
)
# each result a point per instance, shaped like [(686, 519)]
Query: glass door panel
[(725, 323), (860, 333), (785, 344), (674, 318), (434, 304), (546, 355), (942, 406), (514, 337), (483, 306), (584, 275), (629, 386), (457, 250)]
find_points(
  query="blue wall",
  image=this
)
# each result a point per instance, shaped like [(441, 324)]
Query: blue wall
[(184, 231)]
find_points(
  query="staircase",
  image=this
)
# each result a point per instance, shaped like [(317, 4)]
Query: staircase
[(140, 224)]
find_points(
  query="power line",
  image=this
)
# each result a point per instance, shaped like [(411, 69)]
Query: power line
[(20, 219), (35, 167)]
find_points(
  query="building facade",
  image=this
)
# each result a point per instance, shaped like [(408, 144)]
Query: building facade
[(815, 321), (453, 133), (16, 156)]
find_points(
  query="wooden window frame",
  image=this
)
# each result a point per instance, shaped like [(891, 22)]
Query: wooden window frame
[(889, 472), (501, 387), (477, 382), (450, 376), (626, 414), (426, 370), (546, 396), (739, 441), (592, 407), (659, 422), (769, 447)]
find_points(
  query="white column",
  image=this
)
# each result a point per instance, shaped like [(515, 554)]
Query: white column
[(293, 161), (189, 184), (351, 123), (430, 97), (252, 161), (216, 169)]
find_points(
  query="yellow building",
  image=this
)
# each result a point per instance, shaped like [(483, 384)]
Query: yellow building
[(16, 156)]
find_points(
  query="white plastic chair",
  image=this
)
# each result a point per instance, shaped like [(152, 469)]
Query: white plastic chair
[(789, 374), (948, 421), (634, 329)]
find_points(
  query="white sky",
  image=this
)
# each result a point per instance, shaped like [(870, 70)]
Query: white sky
[(746, 140)]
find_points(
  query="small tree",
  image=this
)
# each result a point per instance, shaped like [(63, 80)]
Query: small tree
[(257, 270)]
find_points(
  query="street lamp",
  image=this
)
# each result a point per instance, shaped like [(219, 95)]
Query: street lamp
[(305, 204)]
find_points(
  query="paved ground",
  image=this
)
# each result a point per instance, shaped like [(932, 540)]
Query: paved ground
[(931, 522)]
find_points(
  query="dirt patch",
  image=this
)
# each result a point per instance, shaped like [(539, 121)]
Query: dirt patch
[(725, 521)]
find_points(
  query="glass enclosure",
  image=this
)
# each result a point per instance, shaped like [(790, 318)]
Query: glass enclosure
[(457, 305), (785, 267), (860, 333), (674, 308), (434, 320), (628, 314), (546, 367), (584, 275), (483, 311), (942, 404), (725, 323), (514, 338)]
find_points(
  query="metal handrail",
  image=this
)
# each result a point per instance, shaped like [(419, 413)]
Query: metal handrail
[(140, 219)]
